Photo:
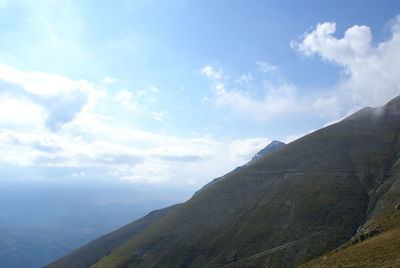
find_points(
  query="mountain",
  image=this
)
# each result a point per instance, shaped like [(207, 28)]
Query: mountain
[(325, 191), (270, 148)]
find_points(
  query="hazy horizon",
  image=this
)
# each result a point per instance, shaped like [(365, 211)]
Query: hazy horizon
[(140, 103)]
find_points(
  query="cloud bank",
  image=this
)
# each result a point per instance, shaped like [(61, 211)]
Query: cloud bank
[(51, 121), (370, 72)]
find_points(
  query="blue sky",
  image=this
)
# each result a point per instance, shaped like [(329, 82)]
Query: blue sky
[(173, 93)]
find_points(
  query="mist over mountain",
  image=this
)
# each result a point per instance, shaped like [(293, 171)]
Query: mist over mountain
[(319, 190)]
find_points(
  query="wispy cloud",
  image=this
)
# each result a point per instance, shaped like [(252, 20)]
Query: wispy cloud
[(141, 101), (211, 73), (259, 100), (54, 97), (127, 100), (265, 67), (110, 80)]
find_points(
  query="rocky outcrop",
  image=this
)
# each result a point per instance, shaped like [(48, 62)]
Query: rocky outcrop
[(366, 232)]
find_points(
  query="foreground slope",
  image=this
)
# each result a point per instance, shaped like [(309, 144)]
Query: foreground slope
[(322, 188), (382, 249)]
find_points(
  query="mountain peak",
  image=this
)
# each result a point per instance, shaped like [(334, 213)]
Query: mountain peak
[(274, 145), (393, 106)]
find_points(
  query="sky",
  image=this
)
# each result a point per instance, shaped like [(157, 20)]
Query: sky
[(164, 96)]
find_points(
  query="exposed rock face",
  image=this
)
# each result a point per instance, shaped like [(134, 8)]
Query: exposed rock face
[(329, 182)]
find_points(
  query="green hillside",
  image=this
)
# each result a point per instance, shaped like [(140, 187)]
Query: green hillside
[(322, 187)]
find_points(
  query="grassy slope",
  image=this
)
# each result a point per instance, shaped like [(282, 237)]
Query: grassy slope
[(381, 250), (321, 182)]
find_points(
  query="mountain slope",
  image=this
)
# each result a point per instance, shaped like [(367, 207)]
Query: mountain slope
[(322, 187), (377, 242)]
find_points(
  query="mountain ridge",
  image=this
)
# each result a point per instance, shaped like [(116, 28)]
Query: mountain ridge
[(331, 181)]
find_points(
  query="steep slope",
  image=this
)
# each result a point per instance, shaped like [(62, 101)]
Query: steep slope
[(322, 188), (97, 249), (377, 242), (270, 148)]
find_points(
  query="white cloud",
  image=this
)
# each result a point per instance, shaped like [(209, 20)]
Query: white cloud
[(79, 174), (87, 140), (42, 84), (371, 72), (350, 112), (327, 105), (61, 98), (159, 116), (370, 77), (127, 153), (146, 172), (272, 102), (210, 73), (265, 67), (245, 149), (110, 80), (244, 78), (20, 112), (127, 100), (154, 89), (267, 100), (142, 102)]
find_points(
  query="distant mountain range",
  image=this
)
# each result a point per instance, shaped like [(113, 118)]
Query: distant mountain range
[(42, 238), (328, 199)]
